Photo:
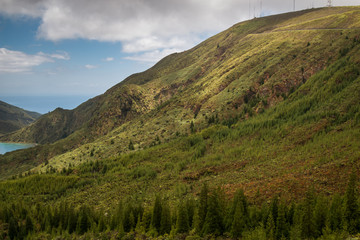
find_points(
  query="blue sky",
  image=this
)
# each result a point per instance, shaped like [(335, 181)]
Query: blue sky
[(68, 49)]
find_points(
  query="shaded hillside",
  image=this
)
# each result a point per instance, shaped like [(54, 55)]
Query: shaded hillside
[(236, 75), (13, 118)]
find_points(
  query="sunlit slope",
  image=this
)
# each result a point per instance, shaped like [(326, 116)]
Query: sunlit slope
[(309, 140)]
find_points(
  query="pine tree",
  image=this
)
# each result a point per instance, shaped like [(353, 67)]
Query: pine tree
[(131, 145), (140, 226), (320, 215), (203, 206), (72, 221), (118, 218), (182, 221), (335, 214), (281, 225), (128, 218), (190, 207), (13, 228), (307, 221), (238, 223), (239, 199), (351, 206), (101, 224), (165, 224), (83, 223), (270, 227), (29, 226), (192, 127), (156, 214), (214, 219), (196, 221)]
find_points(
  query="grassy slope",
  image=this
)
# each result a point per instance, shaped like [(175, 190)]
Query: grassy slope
[(227, 77), (13, 118), (309, 134)]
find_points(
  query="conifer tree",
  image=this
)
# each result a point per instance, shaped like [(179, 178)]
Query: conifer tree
[(83, 223), (238, 224), (29, 225), (307, 220), (320, 215), (196, 221), (214, 218), (203, 205), (190, 207), (140, 226), (192, 127), (13, 228), (101, 224), (335, 214), (118, 218), (351, 206), (156, 214), (274, 208), (72, 221), (281, 225), (165, 224), (128, 218), (182, 222), (131, 145), (239, 199), (270, 227)]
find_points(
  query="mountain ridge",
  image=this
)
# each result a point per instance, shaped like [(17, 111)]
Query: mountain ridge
[(13, 118)]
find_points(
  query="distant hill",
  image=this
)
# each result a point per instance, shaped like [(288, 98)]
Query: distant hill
[(13, 118)]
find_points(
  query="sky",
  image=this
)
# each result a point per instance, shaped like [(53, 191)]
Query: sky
[(62, 52)]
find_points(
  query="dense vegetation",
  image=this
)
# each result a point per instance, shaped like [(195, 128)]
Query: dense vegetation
[(208, 215)]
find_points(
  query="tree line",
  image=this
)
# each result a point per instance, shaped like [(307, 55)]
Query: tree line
[(211, 214)]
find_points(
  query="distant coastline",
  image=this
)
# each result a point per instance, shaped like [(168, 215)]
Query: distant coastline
[(45, 104)]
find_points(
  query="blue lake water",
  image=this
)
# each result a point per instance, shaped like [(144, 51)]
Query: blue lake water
[(8, 147)]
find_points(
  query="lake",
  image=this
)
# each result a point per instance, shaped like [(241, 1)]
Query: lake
[(8, 147)]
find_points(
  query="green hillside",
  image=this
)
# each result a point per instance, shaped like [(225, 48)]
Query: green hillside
[(13, 118), (269, 106)]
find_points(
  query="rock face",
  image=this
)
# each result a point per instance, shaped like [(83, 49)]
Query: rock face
[(13, 118)]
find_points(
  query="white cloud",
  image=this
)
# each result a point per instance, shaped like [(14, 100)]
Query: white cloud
[(152, 56), (143, 25), (16, 61), (89, 66), (109, 59), (60, 55)]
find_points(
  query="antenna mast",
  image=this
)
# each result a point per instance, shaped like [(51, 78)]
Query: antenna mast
[(294, 6)]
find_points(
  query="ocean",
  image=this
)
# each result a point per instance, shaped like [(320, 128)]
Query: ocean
[(45, 104)]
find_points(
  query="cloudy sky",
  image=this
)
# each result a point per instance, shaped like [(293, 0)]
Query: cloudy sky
[(67, 48)]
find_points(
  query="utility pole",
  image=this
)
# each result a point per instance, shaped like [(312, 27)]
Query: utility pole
[(294, 6)]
